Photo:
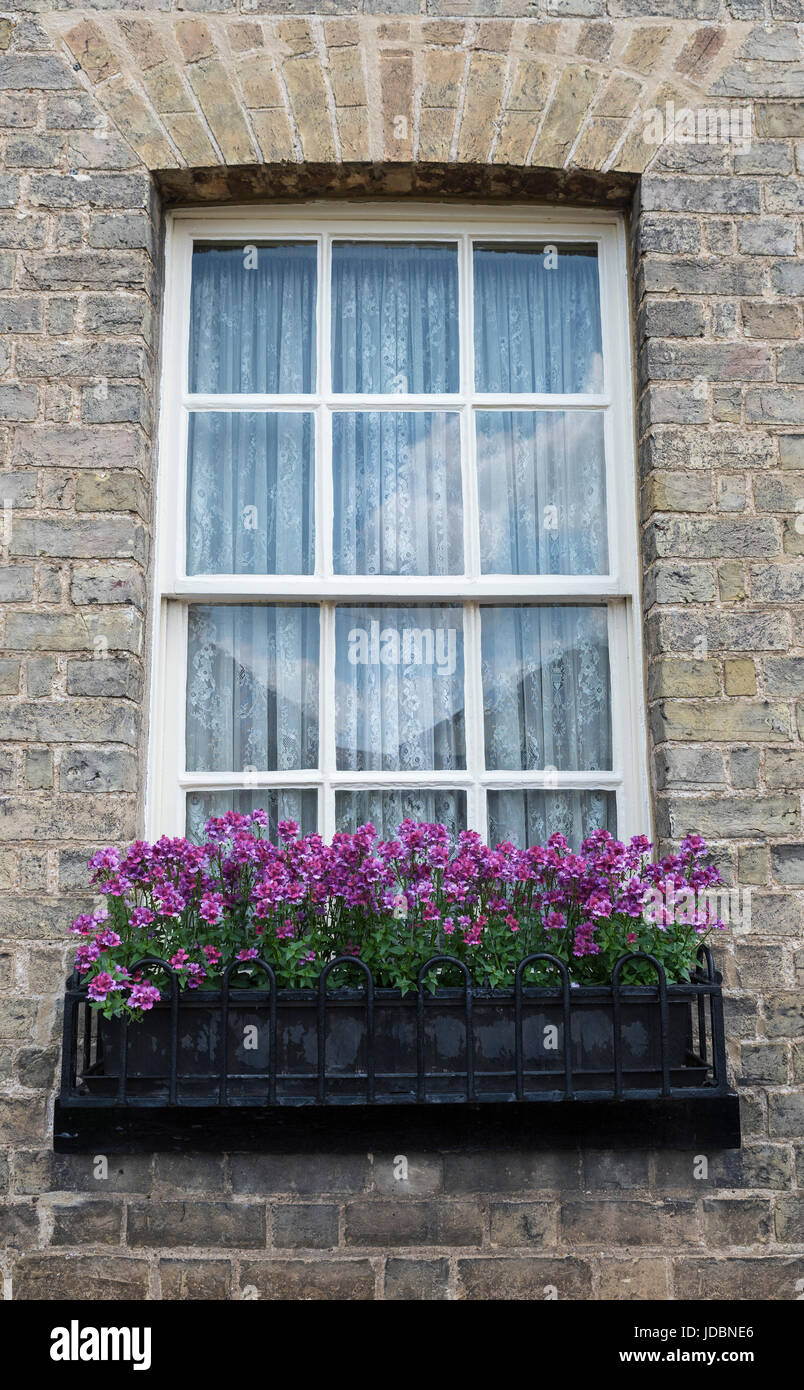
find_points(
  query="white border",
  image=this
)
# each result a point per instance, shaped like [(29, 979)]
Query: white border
[(323, 222)]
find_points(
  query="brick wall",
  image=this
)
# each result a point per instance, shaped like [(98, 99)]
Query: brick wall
[(107, 115)]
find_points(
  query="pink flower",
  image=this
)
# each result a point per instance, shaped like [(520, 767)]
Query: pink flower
[(107, 939), (102, 985), (143, 996), (86, 956), (211, 909)]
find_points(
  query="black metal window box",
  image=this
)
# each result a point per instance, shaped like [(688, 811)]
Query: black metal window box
[(255, 1067)]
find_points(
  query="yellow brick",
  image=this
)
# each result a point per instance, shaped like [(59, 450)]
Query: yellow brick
[(88, 46), (144, 41), (543, 37), (187, 132), (195, 40), (341, 33), (244, 35), (597, 143), (731, 581), (308, 98), (396, 80), (740, 676), (571, 101), (295, 35), (517, 133), (753, 864), (166, 89), (443, 74), (681, 676), (619, 97), (435, 135), (530, 87), (448, 33), (353, 132), (484, 90), (494, 35), (222, 110), (346, 77), (274, 136), (644, 48), (679, 491), (636, 153), (138, 123), (259, 83)]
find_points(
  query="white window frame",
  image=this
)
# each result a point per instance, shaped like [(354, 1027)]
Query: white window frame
[(323, 223)]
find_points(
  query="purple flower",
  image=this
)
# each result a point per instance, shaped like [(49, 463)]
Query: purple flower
[(390, 903), (143, 995), (101, 985)]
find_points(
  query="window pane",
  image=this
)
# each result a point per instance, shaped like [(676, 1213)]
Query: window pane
[(252, 687), (253, 317), (284, 804), (537, 319), (399, 688), (542, 492), (394, 317), (386, 810), (546, 689), (529, 817), (398, 502), (250, 493)]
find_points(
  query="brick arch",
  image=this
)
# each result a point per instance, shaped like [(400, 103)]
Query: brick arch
[(215, 91)]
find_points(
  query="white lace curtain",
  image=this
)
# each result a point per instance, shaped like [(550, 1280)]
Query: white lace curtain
[(537, 319), (528, 817), (252, 318), (546, 688), (250, 493), (399, 701), (252, 687), (397, 492), (394, 317), (541, 478)]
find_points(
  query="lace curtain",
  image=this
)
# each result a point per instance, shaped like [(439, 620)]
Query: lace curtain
[(250, 493), (286, 804), (386, 810), (541, 479), (546, 688), (252, 687), (528, 817), (394, 317), (537, 319), (252, 318), (399, 688), (397, 486)]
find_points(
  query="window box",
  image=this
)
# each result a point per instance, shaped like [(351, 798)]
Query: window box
[(364, 1050)]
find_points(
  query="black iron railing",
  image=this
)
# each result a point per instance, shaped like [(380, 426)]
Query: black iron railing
[(369, 1046)]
